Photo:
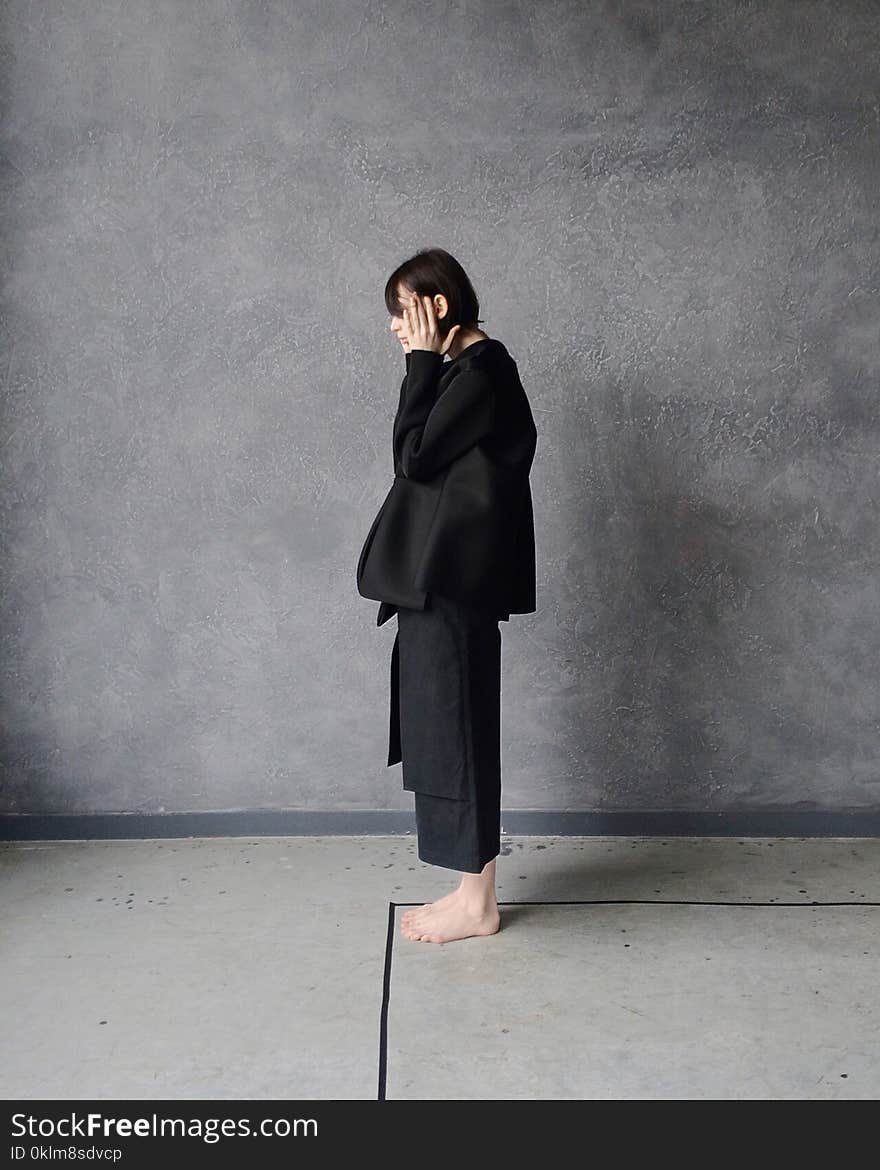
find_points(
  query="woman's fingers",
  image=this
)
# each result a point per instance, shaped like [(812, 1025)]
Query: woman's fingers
[(420, 320), (430, 316), (427, 319), (416, 316)]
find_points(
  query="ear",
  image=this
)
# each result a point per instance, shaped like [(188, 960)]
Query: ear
[(441, 306)]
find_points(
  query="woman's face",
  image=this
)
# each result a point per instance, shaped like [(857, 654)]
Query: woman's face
[(398, 324)]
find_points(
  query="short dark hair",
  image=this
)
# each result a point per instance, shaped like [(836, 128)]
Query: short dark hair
[(431, 271)]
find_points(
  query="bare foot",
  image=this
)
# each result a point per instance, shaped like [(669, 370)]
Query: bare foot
[(407, 916), (451, 917)]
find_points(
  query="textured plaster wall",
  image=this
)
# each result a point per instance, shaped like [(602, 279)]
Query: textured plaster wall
[(670, 212)]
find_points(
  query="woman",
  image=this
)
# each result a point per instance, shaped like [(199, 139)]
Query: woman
[(452, 553)]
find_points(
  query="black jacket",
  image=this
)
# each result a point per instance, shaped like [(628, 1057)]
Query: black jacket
[(457, 518)]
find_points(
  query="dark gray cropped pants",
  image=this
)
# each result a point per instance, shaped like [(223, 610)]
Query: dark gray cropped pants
[(445, 727)]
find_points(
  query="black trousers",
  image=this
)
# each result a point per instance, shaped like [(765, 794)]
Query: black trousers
[(445, 727)]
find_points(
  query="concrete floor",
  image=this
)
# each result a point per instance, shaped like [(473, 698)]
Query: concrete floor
[(242, 968)]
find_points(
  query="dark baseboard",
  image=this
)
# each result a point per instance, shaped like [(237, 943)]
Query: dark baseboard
[(390, 822)]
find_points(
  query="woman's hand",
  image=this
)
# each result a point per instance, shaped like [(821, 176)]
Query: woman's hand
[(421, 324)]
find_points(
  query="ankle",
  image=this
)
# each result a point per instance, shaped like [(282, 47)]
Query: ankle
[(479, 901)]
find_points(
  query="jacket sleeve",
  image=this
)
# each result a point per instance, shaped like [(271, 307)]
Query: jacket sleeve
[(400, 401), (433, 431)]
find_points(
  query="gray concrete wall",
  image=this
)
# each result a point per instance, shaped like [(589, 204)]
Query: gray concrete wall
[(670, 213)]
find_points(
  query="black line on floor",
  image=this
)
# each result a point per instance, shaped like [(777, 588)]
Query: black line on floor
[(657, 902), (389, 944), (386, 995)]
